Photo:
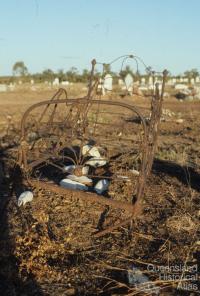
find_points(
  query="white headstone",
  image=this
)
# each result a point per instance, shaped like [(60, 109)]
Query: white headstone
[(150, 82), (65, 82), (20, 82), (11, 86), (32, 81), (143, 81), (143, 87), (107, 84), (197, 92), (192, 81), (156, 80), (197, 79), (181, 86), (56, 81), (3, 87), (129, 82), (120, 82), (174, 80)]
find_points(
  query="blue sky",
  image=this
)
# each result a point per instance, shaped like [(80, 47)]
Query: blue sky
[(59, 34)]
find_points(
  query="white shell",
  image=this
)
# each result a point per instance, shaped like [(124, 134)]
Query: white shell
[(101, 186), (91, 151), (26, 196), (96, 162), (80, 179), (85, 170), (69, 168), (135, 172), (69, 184)]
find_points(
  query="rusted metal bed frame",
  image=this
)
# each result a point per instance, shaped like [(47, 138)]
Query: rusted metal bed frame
[(80, 123)]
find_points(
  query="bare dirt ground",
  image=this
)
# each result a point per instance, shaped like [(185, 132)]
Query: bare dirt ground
[(46, 247)]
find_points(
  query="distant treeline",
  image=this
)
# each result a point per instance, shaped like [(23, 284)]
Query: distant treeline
[(47, 75), (20, 72)]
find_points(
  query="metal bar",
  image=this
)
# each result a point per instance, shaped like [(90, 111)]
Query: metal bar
[(89, 197)]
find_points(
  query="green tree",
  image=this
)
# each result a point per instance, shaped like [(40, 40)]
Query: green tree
[(72, 74), (106, 68), (19, 69), (193, 73), (85, 75), (48, 75), (61, 75)]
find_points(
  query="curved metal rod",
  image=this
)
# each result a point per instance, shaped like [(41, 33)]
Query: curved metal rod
[(129, 56), (81, 101)]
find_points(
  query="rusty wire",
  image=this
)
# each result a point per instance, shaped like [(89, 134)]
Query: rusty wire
[(64, 124)]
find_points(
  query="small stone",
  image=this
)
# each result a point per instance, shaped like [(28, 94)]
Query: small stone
[(81, 179), (91, 151), (180, 120), (69, 168), (96, 162), (73, 185), (26, 196), (32, 136), (101, 186), (85, 170), (135, 172)]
